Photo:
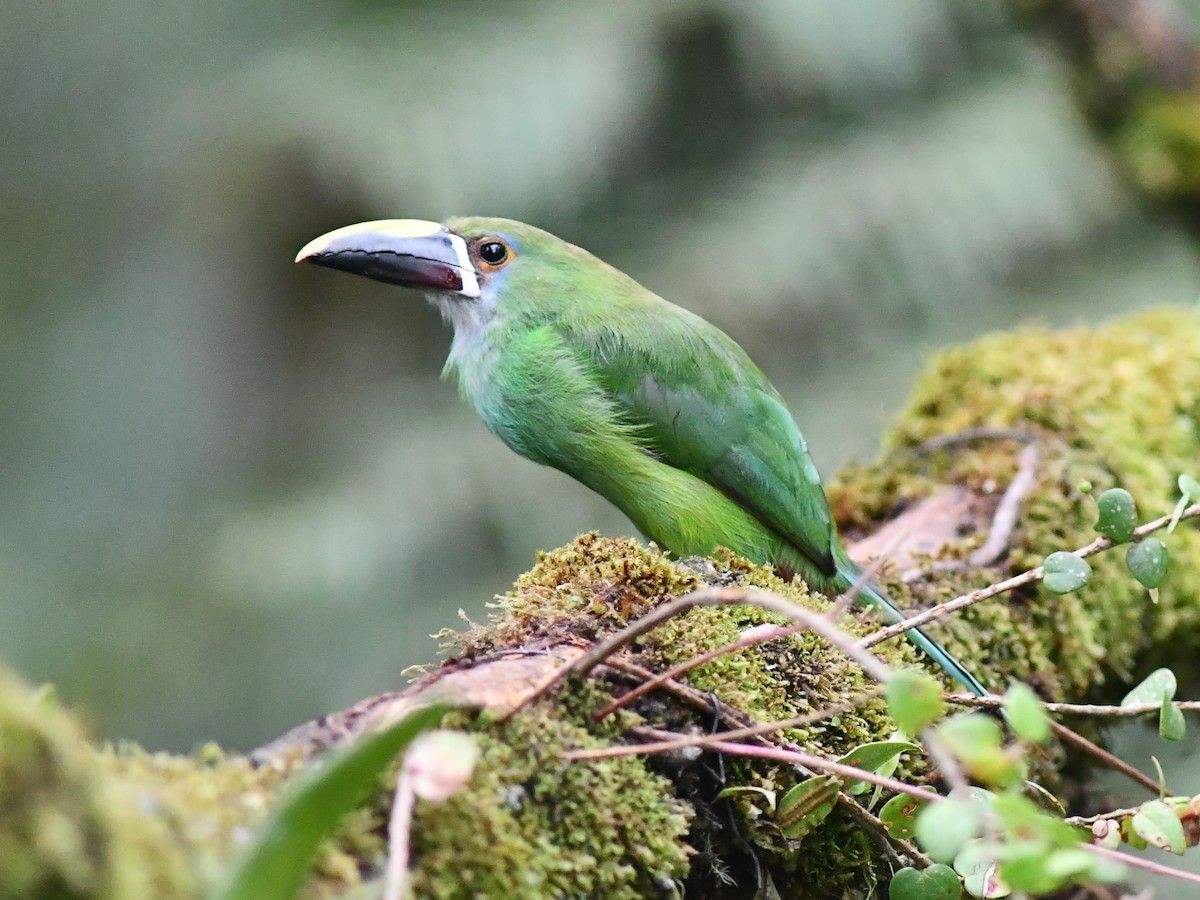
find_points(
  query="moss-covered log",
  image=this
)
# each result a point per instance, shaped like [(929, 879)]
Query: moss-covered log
[(1115, 405)]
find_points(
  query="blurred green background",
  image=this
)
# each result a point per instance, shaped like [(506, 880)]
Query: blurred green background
[(234, 493)]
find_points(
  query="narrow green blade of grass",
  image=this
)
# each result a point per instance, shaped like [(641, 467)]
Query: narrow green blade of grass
[(277, 863)]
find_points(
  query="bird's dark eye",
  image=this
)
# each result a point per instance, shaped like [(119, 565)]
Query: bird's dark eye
[(493, 252)]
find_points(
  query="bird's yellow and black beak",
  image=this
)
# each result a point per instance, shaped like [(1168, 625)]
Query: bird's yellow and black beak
[(409, 252)]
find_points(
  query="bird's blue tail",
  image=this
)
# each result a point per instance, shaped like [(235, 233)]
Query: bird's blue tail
[(869, 595)]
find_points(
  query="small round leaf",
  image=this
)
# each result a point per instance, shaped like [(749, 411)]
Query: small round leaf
[(1025, 714), (944, 828), (1154, 687), (1189, 487), (938, 882), (1171, 724), (1118, 515), (1147, 560), (1159, 826), (914, 699), (899, 815), (1065, 572)]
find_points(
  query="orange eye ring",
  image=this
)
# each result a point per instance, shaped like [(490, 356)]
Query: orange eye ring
[(492, 253)]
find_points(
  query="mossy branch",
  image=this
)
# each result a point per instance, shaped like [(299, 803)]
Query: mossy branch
[(1117, 405)]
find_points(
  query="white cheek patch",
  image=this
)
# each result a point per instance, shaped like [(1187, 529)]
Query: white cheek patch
[(470, 281)]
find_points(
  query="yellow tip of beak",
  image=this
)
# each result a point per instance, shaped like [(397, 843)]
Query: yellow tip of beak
[(343, 238)]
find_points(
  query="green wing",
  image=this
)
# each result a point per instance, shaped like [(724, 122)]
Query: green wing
[(703, 406)]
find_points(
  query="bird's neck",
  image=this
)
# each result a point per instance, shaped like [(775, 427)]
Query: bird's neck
[(471, 350)]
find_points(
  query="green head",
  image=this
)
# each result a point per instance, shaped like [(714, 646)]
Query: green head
[(476, 270)]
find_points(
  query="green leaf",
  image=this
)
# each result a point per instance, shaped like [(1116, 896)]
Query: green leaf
[(1153, 688), (979, 870), (1162, 777), (914, 700), (966, 734), (944, 828), (1045, 800), (805, 805), (1065, 572), (1025, 714), (1029, 869), (1022, 817), (1158, 825), (276, 864), (877, 756), (748, 789), (1171, 724), (978, 743), (1069, 862), (1189, 490), (1132, 838), (1118, 515), (1147, 560), (899, 815), (938, 882)]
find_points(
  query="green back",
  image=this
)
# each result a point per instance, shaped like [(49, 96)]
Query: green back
[(708, 409), (692, 397)]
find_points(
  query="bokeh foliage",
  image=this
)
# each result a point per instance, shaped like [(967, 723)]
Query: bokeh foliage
[(234, 494)]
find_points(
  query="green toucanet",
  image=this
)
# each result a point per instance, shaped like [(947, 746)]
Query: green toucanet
[(575, 365)]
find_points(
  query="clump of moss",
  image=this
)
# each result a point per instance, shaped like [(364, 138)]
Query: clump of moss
[(533, 824), (591, 586), (210, 802), (595, 586), (68, 831), (1115, 405)]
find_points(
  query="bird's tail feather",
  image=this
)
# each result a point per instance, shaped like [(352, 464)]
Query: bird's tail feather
[(869, 595)]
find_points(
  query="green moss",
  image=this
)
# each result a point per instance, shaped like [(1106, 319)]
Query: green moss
[(534, 825), (586, 588), (1160, 142), (67, 830), (1115, 405), (595, 586), (210, 801)]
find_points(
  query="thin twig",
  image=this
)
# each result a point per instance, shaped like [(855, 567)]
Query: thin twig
[(1099, 817), (719, 743), (1073, 737), (729, 596), (974, 434), (736, 718), (1005, 519), (1077, 709), (1114, 762), (715, 596), (890, 843), (868, 572), (397, 882), (700, 701), (1138, 862), (764, 728), (751, 638), (1000, 587)]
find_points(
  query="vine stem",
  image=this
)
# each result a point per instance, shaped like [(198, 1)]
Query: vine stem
[(1099, 545)]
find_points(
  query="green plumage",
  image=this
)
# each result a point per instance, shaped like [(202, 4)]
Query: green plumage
[(576, 366)]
